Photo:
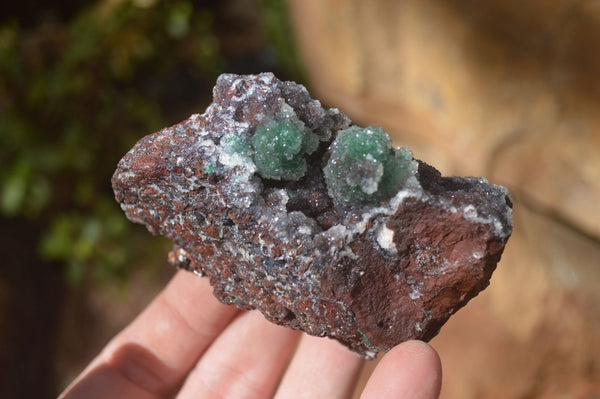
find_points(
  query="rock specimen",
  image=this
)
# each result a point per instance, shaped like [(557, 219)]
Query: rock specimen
[(321, 225)]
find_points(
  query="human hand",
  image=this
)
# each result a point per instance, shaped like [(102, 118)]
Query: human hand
[(186, 344)]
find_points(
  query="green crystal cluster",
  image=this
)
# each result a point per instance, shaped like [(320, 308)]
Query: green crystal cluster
[(278, 147), (363, 167)]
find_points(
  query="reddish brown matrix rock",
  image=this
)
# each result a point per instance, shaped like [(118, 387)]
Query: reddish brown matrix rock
[(320, 225)]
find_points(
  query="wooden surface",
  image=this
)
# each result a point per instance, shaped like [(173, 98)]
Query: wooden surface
[(509, 90)]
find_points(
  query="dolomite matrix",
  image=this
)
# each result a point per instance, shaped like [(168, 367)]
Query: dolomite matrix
[(321, 225)]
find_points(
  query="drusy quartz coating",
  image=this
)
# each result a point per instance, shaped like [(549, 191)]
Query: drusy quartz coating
[(319, 224)]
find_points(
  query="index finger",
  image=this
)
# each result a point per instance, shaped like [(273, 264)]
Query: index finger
[(152, 355)]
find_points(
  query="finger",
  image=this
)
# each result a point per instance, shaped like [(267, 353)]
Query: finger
[(246, 361), (321, 368), (155, 352), (410, 370)]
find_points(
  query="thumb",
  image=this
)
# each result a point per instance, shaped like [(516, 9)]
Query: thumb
[(410, 370)]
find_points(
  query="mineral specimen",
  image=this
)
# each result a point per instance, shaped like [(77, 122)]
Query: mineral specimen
[(320, 225), (363, 167)]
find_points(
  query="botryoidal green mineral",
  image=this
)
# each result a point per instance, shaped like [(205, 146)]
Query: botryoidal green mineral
[(280, 148), (364, 167)]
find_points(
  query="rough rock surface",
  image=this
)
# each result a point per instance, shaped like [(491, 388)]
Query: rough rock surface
[(369, 275)]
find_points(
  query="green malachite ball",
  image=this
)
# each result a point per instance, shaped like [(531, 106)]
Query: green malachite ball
[(280, 149), (364, 167)]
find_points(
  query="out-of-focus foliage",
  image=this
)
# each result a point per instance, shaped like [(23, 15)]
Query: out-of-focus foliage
[(74, 97), (278, 32), (76, 94)]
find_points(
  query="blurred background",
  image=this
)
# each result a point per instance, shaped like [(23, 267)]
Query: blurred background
[(505, 89)]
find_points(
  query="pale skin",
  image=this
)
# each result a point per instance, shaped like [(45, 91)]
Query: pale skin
[(186, 344)]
